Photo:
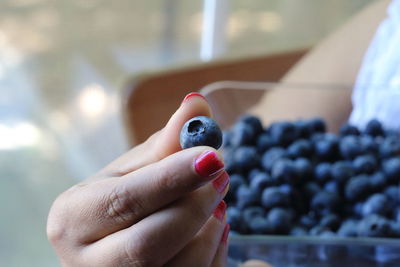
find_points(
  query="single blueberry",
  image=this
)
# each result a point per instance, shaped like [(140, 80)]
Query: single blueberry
[(246, 196), (284, 170), (342, 171), (377, 181), (325, 202), (252, 212), (376, 204), (302, 128), (273, 197), (246, 158), (374, 226), (391, 168), (235, 181), (280, 220), (357, 188), (374, 128), (260, 226), (348, 228), (308, 221), (350, 147), (393, 194), (300, 148), (253, 122), (316, 125), (395, 229), (348, 129), (304, 169), (390, 147), (283, 133), (201, 131), (326, 149), (322, 172), (235, 220), (272, 155), (333, 187), (298, 230), (242, 135), (365, 164), (261, 181), (264, 142), (318, 230), (226, 138), (330, 221)]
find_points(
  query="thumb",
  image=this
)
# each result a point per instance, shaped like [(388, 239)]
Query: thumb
[(161, 144)]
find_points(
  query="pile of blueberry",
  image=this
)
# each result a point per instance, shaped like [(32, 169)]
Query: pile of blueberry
[(294, 178)]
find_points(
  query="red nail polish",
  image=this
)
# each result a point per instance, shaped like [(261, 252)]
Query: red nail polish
[(220, 210), (221, 182), (225, 234), (208, 164), (192, 95)]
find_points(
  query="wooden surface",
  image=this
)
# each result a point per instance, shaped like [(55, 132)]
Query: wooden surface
[(151, 99)]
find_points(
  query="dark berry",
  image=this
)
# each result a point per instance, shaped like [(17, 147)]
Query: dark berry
[(246, 196), (348, 228), (250, 213), (307, 221), (284, 170), (391, 168), (332, 187), (342, 171), (235, 181), (303, 169), (300, 148), (298, 231), (264, 142), (322, 172), (374, 226), (327, 148), (260, 225), (374, 128), (350, 147), (330, 221), (377, 181), (390, 147), (357, 188), (348, 129), (242, 135), (316, 125), (325, 202), (273, 197), (376, 204), (283, 133), (261, 181), (235, 220), (365, 164), (252, 122), (318, 230), (201, 131), (246, 158), (272, 155), (280, 220)]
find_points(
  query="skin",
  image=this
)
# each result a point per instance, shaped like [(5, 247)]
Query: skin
[(149, 207)]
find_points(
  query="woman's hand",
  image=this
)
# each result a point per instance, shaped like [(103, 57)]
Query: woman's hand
[(156, 205)]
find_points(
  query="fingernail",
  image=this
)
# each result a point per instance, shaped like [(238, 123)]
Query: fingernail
[(225, 234), (221, 182), (193, 94), (208, 164), (220, 211)]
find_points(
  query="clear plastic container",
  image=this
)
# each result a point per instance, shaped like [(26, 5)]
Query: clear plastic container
[(229, 100)]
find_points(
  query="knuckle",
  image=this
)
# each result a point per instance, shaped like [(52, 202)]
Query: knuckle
[(122, 206), (56, 228)]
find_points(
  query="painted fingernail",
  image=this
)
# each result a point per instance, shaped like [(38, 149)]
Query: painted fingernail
[(193, 94), (220, 211), (208, 164), (225, 234), (221, 182)]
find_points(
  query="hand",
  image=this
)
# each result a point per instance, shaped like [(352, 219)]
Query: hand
[(152, 206)]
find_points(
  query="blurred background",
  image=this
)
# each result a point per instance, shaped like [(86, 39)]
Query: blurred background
[(62, 64)]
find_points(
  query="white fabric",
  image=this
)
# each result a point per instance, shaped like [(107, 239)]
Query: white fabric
[(377, 89)]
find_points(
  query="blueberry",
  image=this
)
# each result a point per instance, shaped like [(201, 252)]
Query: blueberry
[(252, 212), (348, 129), (342, 171), (253, 173), (393, 194), (260, 225), (310, 189), (283, 133), (390, 147), (377, 181), (246, 158), (298, 231), (252, 122), (357, 188), (264, 142), (280, 220), (303, 129), (201, 131), (317, 230), (325, 202), (226, 138), (369, 144), (273, 197), (376, 204), (236, 180), (391, 168), (330, 221), (322, 172), (272, 155), (395, 229), (246, 196), (235, 220), (308, 221), (300, 148), (396, 215), (316, 125), (374, 226), (228, 155), (261, 181), (284, 170), (242, 135), (374, 128), (332, 187), (303, 169), (365, 164), (348, 228), (350, 147), (326, 148)]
